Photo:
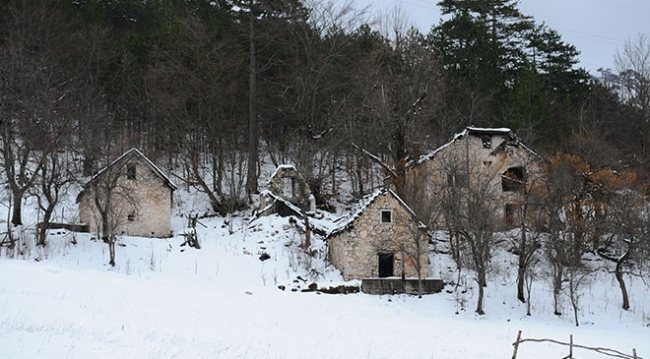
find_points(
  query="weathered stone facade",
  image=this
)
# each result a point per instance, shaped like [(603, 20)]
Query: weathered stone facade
[(370, 239), (141, 198), (494, 158), (287, 184)]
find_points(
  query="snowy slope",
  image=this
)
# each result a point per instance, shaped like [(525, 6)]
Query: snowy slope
[(164, 300)]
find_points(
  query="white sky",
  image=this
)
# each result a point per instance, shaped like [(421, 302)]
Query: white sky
[(598, 28)]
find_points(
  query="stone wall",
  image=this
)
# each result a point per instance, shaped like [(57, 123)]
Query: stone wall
[(142, 206), (300, 191), (487, 157), (355, 251), (398, 286)]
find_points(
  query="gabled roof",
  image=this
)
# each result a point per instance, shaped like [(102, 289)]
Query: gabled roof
[(134, 152), (283, 167), (359, 208), (474, 131)]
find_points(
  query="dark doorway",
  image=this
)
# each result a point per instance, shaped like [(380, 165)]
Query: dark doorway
[(386, 261)]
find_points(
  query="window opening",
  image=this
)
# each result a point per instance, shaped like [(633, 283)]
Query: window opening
[(288, 187), (130, 171), (386, 216), (513, 179)]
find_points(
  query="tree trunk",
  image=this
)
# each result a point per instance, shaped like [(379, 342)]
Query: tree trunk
[(573, 295), (111, 250), (619, 278), (557, 287), (479, 303), (42, 232), (418, 267), (16, 216), (253, 131), (521, 270), (525, 254)]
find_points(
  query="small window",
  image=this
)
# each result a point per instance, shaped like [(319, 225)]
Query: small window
[(288, 187), (386, 216), (458, 179), (130, 171), (131, 217)]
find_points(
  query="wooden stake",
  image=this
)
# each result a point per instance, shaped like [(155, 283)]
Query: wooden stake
[(516, 345)]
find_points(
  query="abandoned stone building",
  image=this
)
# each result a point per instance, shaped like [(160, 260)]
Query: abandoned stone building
[(494, 158), (381, 237), (287, 193), (132, 194)]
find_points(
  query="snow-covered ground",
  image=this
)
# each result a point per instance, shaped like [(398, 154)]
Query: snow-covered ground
[(164, 300)]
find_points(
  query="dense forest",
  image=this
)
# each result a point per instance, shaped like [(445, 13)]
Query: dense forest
[(220, 84)]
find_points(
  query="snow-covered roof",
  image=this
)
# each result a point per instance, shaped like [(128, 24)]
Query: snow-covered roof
[(275, 197), (136, 152), (283, 167), (357, 210), (472, 131), (320, 227)]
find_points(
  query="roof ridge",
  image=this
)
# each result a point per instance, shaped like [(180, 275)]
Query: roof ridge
[(134, 150)]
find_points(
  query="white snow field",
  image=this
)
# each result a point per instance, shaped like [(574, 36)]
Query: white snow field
[(164, 300)]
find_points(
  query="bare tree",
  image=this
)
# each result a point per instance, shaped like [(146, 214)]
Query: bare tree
[(29, 89), (428, 212), (470, 204), (21, 164), (396, 83), (578, 278), (629, 227), (53, 180), (574, 201), (110, 198), (527, 217), (529, 277), (633, 65), (44, 75), (196, 177)]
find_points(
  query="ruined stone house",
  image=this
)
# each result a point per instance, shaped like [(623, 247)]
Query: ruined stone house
[(381, 237), (491, 157), (287, 193), (135, 195)]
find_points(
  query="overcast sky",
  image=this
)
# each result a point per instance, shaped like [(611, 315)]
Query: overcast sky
[(597, 28)]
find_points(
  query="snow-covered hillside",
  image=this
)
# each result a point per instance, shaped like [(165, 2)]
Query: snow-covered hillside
[(164, 300)]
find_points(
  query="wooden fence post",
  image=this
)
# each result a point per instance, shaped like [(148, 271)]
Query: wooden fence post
[(571, 346)]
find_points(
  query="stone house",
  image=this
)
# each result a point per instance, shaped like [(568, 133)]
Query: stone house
[(132, 194), (491, 157), (381, 237), (287, 193)]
